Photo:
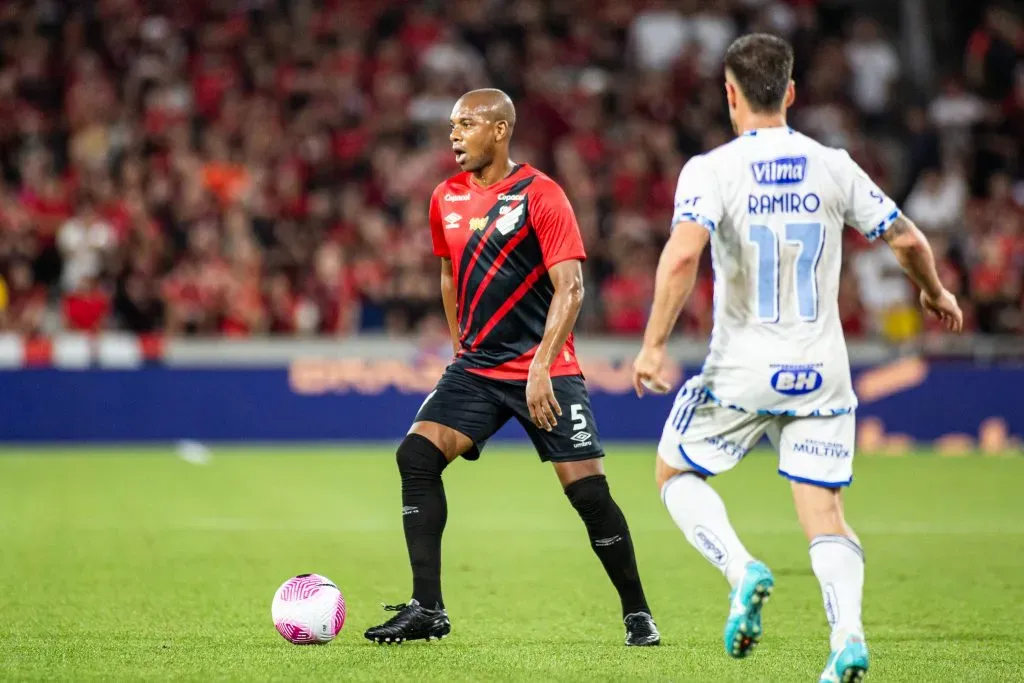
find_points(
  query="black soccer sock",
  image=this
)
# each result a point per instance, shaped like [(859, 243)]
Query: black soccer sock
[(609, 536), (424, 513)]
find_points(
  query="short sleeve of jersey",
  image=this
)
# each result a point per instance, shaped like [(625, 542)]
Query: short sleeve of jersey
[(698, 199), (436, 228), (868, 209), (555, 225)]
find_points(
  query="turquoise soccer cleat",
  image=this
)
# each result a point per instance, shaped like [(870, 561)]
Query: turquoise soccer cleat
[(847, 665), (743, 628)]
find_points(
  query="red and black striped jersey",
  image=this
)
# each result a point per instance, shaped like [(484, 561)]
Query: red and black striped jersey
[(501, 241)]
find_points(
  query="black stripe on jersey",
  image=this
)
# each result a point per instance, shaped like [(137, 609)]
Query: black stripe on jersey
[(472, 271), (523, 259), (519, 330)]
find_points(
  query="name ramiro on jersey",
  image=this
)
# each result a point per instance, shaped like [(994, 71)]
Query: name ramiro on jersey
[(787, 202)]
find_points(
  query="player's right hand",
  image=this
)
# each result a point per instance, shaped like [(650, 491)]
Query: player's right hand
[(647, 371), (945, 308)]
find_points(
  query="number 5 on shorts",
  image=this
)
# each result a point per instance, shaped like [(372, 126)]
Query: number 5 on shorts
[(579, 420)]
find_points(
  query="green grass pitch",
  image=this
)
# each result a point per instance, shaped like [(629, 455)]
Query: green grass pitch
[(132, 564)]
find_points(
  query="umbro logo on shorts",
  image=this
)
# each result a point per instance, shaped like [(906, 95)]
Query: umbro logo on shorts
[(582, 439)]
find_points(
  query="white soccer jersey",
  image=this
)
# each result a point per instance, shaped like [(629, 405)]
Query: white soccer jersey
[(775, 202)]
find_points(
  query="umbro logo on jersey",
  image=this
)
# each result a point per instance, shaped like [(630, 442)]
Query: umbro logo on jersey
[(457, 197), (452, 220)]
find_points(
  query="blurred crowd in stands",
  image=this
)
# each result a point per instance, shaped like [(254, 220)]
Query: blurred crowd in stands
[(262, 167)]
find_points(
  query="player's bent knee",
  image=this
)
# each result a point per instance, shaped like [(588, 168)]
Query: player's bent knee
[(418, 456), (664, 473), (590, 496), (449, 441)]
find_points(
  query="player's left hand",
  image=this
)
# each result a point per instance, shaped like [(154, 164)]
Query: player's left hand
[(540, 399), (647, 371)]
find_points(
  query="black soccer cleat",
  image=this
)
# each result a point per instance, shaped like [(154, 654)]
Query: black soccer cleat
[(413, 622), (641, 630)]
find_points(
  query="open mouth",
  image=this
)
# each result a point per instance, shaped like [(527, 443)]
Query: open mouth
[(460, 154)]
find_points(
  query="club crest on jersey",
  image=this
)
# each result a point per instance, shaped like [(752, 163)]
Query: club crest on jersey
[(478, 224), (781, 171), (510, 220)]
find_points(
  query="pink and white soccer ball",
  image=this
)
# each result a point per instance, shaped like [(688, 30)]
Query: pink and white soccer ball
[(308, 609)]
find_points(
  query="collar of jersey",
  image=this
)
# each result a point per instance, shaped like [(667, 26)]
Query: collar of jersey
[(501, 184), (762, 131)]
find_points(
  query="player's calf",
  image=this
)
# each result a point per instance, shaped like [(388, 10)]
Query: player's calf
[(611, 541)]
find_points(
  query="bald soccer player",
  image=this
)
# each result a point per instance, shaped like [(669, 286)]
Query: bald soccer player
[(512, 286)]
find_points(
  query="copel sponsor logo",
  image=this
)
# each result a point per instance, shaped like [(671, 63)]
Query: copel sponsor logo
[(789, 202), (456, 197), (796, 381), (730, 448), (782, 171), (511, 197), (824, 449), (710, 546)]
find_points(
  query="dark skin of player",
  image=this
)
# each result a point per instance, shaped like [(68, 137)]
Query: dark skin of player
[(481, 129)]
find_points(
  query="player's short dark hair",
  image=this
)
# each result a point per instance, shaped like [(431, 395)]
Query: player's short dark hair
[(762, 65)]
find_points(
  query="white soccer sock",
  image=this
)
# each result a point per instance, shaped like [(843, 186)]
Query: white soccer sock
[(838, 562), (700, 513)]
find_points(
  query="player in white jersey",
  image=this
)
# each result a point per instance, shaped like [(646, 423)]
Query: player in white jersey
[(773, 203)]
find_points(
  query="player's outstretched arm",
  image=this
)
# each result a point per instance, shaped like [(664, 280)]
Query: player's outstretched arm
[(449, 298), (676, 275), (915, 256), (567, 278)]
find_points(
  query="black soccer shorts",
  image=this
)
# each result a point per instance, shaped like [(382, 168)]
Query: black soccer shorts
[(479, 406)]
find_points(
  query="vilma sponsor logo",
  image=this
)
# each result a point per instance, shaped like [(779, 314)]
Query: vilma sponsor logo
[(710, 546), (457, 197), (796, 381), (824, 449), (478, 224), (782, 171)]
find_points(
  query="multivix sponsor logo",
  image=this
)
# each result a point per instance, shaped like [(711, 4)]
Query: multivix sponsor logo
[(710, 546), (782, 171)]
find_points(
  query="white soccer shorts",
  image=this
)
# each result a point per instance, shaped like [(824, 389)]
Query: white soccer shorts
[(705, 437)]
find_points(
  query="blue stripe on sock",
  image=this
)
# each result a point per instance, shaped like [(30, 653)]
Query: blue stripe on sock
[(841, 540)]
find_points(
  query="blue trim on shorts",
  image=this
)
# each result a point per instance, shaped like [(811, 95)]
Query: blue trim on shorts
[(820, 412), (696, 468), (814, 482)]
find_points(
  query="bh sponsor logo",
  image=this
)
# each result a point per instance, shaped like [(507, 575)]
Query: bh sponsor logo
[(710, 546), (823, 449), (796, 381), (782, 171)]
